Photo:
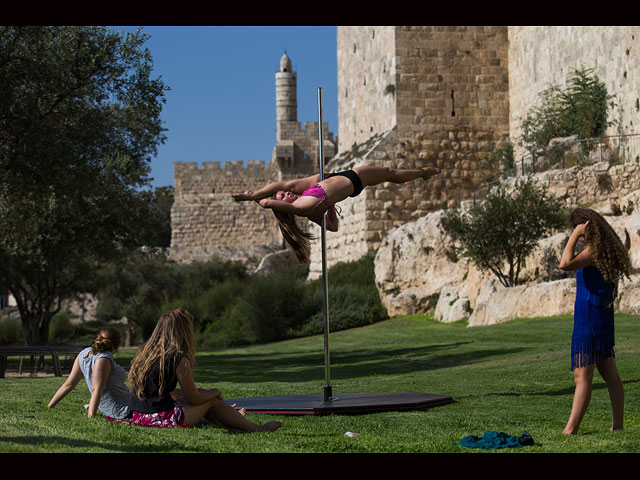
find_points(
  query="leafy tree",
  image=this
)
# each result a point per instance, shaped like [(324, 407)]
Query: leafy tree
[(160, 205), (498, 234), (500, 161), (133, 286), (585, 105), (581, 108), (542, 123), (79, 123)]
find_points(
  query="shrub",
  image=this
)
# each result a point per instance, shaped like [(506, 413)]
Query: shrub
[(268, 308), (350, 306), (353, 298), (581, 109), (61, 331), (11, 332), (284, 305), (144, 285), (500, 160), (228, 308)]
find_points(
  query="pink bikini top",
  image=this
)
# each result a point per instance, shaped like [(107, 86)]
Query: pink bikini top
[(316, 191)]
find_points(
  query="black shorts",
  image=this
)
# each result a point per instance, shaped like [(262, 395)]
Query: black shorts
[(351, 175)]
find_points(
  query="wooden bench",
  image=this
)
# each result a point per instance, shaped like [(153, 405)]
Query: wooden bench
[(54, 352)]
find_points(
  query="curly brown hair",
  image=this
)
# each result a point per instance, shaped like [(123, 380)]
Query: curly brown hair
[(610, 255)]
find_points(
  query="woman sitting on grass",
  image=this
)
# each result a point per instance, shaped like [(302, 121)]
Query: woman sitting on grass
[(164, 361), (310, 198), (104, 377)]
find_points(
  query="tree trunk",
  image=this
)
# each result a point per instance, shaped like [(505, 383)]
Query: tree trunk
[(31, 330), (130, 334), (36, 328)]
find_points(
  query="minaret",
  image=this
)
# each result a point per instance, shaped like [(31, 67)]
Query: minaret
[(286, 97)]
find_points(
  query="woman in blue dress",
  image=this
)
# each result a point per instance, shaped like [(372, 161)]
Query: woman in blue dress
[(599, 267)]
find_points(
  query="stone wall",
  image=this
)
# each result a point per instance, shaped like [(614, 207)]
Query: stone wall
[(416, 125), (599, 186), (205, 220), (546, 55), (366, 68)]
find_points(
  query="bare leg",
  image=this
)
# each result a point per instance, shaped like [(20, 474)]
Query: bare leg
[(583, 377), (374, 175), (220, 413), (609, 371)]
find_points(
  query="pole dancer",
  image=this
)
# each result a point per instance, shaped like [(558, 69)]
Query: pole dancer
[(315, 198)]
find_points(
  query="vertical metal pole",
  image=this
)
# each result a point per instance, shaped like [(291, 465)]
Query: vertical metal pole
[(325, 283)]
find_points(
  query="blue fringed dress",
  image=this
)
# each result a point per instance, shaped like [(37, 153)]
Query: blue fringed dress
[(593, 339)]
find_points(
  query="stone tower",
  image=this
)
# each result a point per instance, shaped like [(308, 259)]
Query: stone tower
[(286, 96), (296, 151)]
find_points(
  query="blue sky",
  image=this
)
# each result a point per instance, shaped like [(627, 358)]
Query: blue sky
[(221, 105)]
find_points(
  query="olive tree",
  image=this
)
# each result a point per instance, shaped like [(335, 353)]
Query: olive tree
[(79, 124), (498, 234)]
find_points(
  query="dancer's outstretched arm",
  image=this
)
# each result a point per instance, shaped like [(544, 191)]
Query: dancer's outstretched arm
[(301, 207), (297, 185)]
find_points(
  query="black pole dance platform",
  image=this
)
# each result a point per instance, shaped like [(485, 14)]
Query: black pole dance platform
[(346, 403)]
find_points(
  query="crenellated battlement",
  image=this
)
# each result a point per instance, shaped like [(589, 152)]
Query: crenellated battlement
[(216, 177)]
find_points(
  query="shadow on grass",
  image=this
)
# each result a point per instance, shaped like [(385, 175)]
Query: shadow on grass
[(554, 393), (112, 447), (296, 367), (570, 390)]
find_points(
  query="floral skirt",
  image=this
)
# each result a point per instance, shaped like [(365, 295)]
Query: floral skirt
[(167, 419)]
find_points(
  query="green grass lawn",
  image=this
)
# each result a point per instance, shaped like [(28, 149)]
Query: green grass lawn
[(510, 378)]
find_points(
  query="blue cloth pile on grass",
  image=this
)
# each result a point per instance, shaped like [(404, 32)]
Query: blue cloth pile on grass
[(491, 440)]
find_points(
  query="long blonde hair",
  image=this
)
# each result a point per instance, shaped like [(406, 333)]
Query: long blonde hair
[(173, 333), (294, 235)]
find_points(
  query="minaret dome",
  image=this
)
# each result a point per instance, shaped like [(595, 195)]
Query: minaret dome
[(285, 63)]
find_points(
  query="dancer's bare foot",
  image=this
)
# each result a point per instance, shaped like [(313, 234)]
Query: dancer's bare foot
[(430, 172)]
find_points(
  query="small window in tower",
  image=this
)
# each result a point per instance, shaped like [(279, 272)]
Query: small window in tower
[(453, 109)]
